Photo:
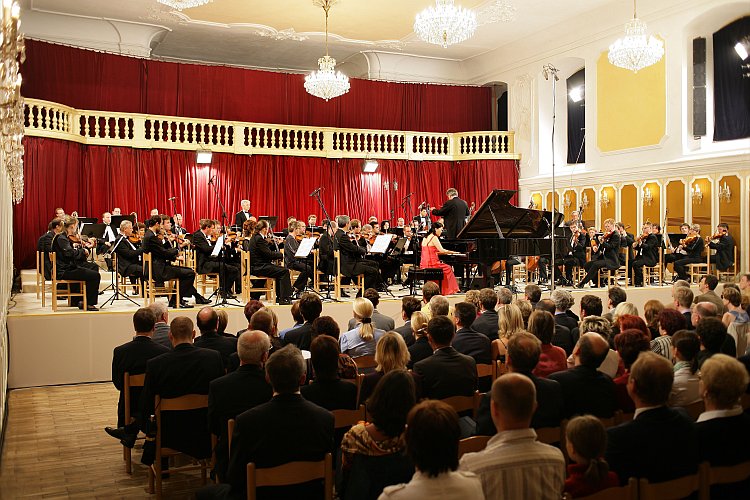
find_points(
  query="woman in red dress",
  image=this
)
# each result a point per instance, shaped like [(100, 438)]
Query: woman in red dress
[(431, 247)]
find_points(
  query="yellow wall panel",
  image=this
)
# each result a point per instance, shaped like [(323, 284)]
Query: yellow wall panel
[(729, 212), (702, 209), (589, 212), (675, 206), (570, 196), (653, 212), (608, 211), (629, 207)]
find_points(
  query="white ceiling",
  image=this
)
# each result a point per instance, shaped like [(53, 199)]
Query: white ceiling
[(288, 34)]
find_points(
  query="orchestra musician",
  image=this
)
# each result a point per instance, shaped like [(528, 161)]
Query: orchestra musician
[(723, 243), (105, 244), (59, 213), (70, 262), (431, 247), (352, 256), (177, 227), (116, 211), (129, 253), (423, 220), (154, 213), (604, 253), (244, 213), (679, 252), (291, 245), (577, 254), (385, 227), (693, 247), (44, 244), (288, 229), (647, 253), (312, 220), (204, 241), (326, 263), (400, 222), (626, 241), (454, 211), (162, 255), (262, 258)]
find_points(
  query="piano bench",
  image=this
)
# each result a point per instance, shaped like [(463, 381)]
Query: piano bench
[(426, 274)]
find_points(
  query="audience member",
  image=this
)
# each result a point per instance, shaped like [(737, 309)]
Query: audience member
[(447, 372), (707, 288), (636, 448), (310, 306), (591, 305), (238, 391), (391, 354), (651, 310), (429, 290), (668, 322), (513, 457), (361, 340), (562, 336), (563, 301), (432, 434), (296, 316), (712, 334), (207, 321), (623, 309), (526, 310), (328, 390), (615, 296), (585, 389), (251, 308), (504, 297), (487, 322), (421, 348), (326, 325), (533, 294), (439, 306), (708, 310), (612, 364), (586, 441), (472, 297), (632, 322), (683, 298), (221, 328), (409, 305), (732, 299), (510, 322), (552, 359), (467, 340), (263, 320), (685, 348), (161, 328), (629, 344), (381, 321)]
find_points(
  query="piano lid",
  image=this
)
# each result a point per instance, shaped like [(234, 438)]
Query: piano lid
[(514, 222)]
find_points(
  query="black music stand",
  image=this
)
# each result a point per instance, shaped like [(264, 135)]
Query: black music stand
[(334, 244)]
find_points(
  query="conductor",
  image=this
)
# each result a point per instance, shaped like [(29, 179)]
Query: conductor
[(454, 212)]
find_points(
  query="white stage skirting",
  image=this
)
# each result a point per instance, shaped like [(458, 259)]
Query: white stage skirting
[(74, 347)]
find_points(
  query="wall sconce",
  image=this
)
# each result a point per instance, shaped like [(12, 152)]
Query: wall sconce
[(585, 201), (386, 185), (532, 204), (566, 201), (696, 195), (725, 194), (604, 199), (648, 198)]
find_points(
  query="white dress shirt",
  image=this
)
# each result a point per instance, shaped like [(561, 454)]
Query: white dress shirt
[(685, 385), (710, 415), (459, 485)]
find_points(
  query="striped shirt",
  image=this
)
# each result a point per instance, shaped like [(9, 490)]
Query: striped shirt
[(514, 465), (662, 346)]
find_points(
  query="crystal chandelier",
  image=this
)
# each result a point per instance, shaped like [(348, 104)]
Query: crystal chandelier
[(184, 4), (445, 24), (11, 102), (635, 50), (326, 83)]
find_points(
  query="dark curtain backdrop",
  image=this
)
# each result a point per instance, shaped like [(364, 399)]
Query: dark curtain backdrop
[(731, 90), (85, 79), (576, 120), (95, 179)]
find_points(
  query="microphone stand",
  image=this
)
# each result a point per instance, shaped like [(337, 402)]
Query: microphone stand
[(221, 298), (113, 277), (548, 70), (316, 194)]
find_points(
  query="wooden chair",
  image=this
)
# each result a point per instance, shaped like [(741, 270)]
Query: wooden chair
[(150, 290), (627, 492), (202, 281), (695, 409), (247, 281), (487, 370), (500, 368), (123, 281), (731, 272), (699, 270), (182, 403), (291, 473), (356, 282), (739, 332), (42, 284), (611, 277), (348, 418), (68, 291), (551, 435), (472, 444), (464, 403), (722, 475), (129, 382), (655, 272), (668, 490), (365, 362)]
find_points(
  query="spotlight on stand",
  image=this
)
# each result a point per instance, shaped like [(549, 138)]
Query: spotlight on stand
[(369, 166), (203, 156), (576, 94)]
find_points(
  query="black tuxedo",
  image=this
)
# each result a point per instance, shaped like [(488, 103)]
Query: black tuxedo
[(447, 373), (131, 357), (454, 212), (647, 255), (609, 258), (626, 242), (206, 263), (161, 258), (261, 263), (642, 447), (44, 244), (586, 391), (563, 338), (576, 256), (129, 257), (419, 350), (230, 395), (723, 442), (472, 343), (286, 429), (353, 262), (406, 333), (487, 323), (184, 370), (225, 346), (72, 265), (300, 336), (240, 218), (724, 257), (693, 256), (326, 263), (291, 245)]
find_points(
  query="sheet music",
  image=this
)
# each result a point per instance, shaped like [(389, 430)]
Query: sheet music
[(305, 247), (217, 246), (381, 243)]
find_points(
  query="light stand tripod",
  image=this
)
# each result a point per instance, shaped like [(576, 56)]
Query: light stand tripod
[(222, 289), (316, 194)]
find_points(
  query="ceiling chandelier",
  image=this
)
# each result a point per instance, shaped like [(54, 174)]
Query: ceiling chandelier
[(11, 102), (635, 50), (326, 83), (445, 24), (184, 4)]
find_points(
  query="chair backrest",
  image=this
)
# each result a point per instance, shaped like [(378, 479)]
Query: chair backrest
[(53, 259), (464, 403), (182, 403), (348, 418), (549, 435), (627, 492), (676, 488), (365, 362), (727, 474), (472, 444), (487, 370), (695, 409), (291, 473), (230, 433), (130, 381), (148, 267), (739, 332)]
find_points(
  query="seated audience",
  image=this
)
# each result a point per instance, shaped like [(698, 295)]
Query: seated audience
[(421, 348), (733, 304), (712, 334), (326, 325), (562, 336), (391, 354), (683, 299), (513, 457), (629, 344), (525, 307), (504, 297), (238, 391), (381, 321), (409, 305), (296, 316), (251, 308), (221, 328), (533, 294), (472, 297), (685, 348), (429, 290), (161, 328), (439, 306), (563, 302), (432, 434), (208, 322), (668, 323), (264, 320), (361, 340), (632, 322), (310, 306), (612, 365), (585, 389), (372, 453), (636, 448), (328, 390), (586, 441), (467, 340), (510, 323), (708, 310), (651, 311), (487, 322), (707, 288), (552, 359), (615, 297), (591, 305)]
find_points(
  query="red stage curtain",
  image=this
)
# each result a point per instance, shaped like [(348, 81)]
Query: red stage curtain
[(91, 80), (95, 179)]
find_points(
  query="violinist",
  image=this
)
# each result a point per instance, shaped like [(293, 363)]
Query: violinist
[(647, 253), (608, 246), (679, 252), (693, 247), (70, 259), (177, 227), (352, 256), (204, 241), (261, 262), (423, 220), (116, 211), (288, 229), (723, 243), (59, 213), (129, 253), (326, 263), (626, 241), (44, 244), (385, 227), (291, 245), (312, 221), (576, 256), (400, 222)]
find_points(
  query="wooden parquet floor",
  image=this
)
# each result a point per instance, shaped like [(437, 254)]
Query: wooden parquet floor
[(56, 447)]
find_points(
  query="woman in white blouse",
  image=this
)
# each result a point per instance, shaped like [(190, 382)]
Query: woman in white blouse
[(685, 348), (361, 340)]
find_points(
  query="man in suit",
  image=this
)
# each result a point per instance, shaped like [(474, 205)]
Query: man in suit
[(161, 328), (533, 294), (262, 263), (563, 300), (524, 350), (577, 254), (607, 256), (129, 254), (585, 389), (467, 340), (646, 253), (310, 306), (636, 448), (381, 321), (306, 430), (44, 244), (724, 246), (238, 391), (626, 241), (409, 305), (423, 220), (207, 321), (693, 252), (683, 299), (206, 262), (243, 215), (162, 257), (707, 287), (352, 256), (487, 322), (454, 211), (303, 265), (447, 372), (562, 337)]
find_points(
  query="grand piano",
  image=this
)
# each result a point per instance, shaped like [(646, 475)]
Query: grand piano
[(499, 231)]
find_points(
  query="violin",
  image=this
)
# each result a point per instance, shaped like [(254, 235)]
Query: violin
[(134, 238), (642, 237), (689, 240), (716, 236), (606, 236)]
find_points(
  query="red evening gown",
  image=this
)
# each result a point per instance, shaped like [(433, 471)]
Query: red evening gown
[(430, 258)]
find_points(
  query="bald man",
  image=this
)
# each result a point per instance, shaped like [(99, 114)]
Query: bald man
[(208, 324)]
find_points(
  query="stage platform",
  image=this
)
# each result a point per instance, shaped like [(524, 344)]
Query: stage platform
[(72, 346)]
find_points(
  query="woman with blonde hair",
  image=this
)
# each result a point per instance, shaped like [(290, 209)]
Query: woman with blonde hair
[(651, 311), (391, 354), (421, 348), (361, 340), (509, 323)]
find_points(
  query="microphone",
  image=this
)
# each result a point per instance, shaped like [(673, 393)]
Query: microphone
[(172, 198), (548, 69), (210, 181), (318, 190)]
